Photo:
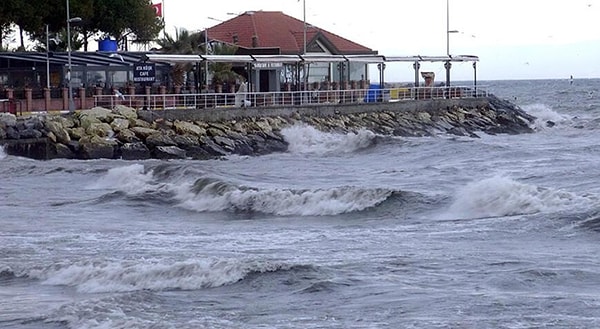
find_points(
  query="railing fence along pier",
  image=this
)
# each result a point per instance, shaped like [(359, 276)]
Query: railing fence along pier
[(285, 98)]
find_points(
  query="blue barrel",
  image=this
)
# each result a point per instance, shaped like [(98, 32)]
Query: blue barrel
[(373, 94), (107, 45)]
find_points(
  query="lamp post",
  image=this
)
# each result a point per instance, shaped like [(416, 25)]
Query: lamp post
[(206, 61), (69, 66), (304, 70), (47, 57), (304, 30), (448, 65)]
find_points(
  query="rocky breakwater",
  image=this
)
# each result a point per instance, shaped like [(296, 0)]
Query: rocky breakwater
[(120, 133)]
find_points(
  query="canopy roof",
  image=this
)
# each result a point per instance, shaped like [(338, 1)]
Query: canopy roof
[(310, 58), (78, 58)]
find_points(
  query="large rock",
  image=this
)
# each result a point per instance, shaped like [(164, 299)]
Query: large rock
[(95, 147), (99, 113), (8, 120), (184, 127), (169, 152), (143, 132), (135, 151), (159, 139), (119, 124), (126, 112), (62, 151), (127, 136), (59, 131), (101, 129)]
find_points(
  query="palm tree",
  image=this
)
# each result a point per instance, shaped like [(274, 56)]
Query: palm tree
[(222, 73), (184, 43)]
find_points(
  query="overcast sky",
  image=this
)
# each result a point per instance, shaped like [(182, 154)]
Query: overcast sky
[(514, 39)]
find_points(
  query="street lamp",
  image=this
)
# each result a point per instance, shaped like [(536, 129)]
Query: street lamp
[(206, 60), (47, 57), (69, 66), (448, 65)]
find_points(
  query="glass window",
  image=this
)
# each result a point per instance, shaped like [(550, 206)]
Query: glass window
[(96, 78)]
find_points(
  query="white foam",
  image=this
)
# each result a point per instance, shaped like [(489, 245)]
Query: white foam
[(306, 139), (2, 153), (122, 276), (501, 196), (129, 179), (210, 195), (320, 202), (543, 114)]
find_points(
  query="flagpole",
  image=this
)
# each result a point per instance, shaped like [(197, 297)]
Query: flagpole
[(162, 13)]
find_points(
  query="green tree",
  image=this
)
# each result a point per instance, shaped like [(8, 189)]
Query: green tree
[(132, 20), (7, 12)]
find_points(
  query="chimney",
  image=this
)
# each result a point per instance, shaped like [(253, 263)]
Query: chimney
[(254, 41)]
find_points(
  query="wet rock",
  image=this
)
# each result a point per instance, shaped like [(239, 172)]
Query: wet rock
[(135, 151), (169, 152), (62, 151), (96, 147), (59, 131)]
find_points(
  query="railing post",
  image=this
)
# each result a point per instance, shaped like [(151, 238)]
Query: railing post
[(10, 93), (162, 90), (65, 98), (82, 100), (28, 100), (147, 90), (47, 99)]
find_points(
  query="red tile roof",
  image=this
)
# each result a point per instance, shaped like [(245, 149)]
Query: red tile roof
[(274, 29)]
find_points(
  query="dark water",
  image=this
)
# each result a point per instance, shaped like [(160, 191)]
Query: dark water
[(342, 231)]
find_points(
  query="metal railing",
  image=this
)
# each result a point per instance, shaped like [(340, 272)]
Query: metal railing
[(286, 98)]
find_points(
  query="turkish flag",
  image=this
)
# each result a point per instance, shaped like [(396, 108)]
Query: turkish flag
[(157, 8)]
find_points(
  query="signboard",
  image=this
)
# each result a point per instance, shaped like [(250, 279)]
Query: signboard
[(144, 72), (267, 65)]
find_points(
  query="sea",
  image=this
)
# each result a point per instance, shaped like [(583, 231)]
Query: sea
[(353, 230)]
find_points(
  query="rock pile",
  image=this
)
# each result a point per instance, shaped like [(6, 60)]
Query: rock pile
[(120, 133)]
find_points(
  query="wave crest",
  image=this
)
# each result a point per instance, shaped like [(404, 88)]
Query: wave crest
[(207, 194), (501, 196), (544, 114), (303, 138), (214, 195), (125, 276)]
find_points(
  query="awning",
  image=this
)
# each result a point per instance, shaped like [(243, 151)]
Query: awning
[(309, 58)]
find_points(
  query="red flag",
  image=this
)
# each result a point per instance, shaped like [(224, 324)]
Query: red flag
[(158, 9)]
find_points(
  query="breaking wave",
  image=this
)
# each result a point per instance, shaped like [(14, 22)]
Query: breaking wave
[(545, 115), (101, 276), (207, 194), (303, 138), (501, 196), (215, 195)]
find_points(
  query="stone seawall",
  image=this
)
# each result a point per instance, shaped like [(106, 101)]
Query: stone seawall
[(201, 134)]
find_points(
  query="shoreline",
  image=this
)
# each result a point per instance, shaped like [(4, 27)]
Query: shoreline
[(129, 134)]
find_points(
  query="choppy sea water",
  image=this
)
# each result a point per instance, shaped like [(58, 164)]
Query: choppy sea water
[(341, 231)]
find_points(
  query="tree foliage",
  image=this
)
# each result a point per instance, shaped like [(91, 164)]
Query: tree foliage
[(223, 72), (132, 20), (183, 43)]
